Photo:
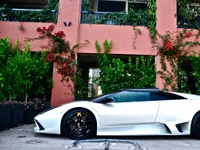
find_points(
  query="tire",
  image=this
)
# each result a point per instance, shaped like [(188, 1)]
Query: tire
[(79, 124), (195, 127)]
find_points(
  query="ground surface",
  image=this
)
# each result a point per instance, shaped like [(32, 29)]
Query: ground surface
[(23, 138)]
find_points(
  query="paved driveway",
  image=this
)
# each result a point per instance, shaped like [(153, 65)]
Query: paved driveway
[(23, 138)]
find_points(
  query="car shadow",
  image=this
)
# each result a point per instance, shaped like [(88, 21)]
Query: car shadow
[(187, 137)]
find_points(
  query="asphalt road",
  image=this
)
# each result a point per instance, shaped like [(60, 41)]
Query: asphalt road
[(23, 138)]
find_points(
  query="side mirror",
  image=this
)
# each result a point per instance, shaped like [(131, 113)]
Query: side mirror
[(107, 100)]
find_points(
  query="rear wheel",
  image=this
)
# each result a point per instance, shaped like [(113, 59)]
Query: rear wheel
[(195, 127), (78, 124)]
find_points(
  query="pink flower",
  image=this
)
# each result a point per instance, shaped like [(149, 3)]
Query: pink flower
[(168, 45), (188, 34)]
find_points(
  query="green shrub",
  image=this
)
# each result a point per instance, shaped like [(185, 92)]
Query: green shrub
[(24, 75), (116, 74)]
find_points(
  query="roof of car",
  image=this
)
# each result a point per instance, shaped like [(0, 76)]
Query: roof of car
[(142, 89)]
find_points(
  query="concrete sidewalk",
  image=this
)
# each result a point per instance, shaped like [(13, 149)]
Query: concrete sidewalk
[(23, 138)]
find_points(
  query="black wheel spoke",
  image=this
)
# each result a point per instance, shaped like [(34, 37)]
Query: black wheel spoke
[(79, 116), (74, 131), (71, 122), (86, 122), (85, 130)]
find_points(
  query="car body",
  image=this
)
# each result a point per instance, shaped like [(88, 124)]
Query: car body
[(127, 112)]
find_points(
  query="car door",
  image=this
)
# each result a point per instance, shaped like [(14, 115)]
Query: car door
[(127, 108), (172, 107)]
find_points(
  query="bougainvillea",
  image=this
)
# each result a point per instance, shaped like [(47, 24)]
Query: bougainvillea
[(60, 53), (168, 45), (188, 34), (173, 46)]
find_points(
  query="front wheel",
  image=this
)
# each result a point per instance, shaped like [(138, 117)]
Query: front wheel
[(195, 127), (78, 124)]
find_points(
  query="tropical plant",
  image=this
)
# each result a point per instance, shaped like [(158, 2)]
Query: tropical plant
[(7, 51), (23, 74), (116, 74), (195, 71)]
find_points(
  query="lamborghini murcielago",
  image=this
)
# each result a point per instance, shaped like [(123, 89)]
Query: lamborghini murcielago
[(127, 112)]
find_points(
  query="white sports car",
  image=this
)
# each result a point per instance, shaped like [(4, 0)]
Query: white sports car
[(127, 112)]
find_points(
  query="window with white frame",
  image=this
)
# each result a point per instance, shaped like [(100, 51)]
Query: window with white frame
[(111, 6), (24, 3), (137, 4), (115, 5)]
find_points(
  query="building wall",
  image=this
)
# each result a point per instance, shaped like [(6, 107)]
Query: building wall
[(166, 21), (122, 37)]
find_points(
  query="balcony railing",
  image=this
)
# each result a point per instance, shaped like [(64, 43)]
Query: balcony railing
[(28, 15), (113, 18)]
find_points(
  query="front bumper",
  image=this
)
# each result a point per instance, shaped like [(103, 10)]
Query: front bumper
[(48, 124)]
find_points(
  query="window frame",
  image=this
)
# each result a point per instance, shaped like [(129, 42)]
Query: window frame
[(96, 3)]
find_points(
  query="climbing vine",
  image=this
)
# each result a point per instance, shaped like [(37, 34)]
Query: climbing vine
[(177, 46), (136, 33), (151, 18), (60, 53), (173, 47)]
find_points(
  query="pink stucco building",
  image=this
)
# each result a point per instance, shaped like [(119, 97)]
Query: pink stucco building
[(77, 32)]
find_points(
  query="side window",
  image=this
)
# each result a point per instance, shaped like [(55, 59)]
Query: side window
[(158, 96), (165, 96), (131, 96)]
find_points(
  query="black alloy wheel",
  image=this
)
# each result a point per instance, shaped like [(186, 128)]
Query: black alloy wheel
[(195, 127), (79, 124)]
